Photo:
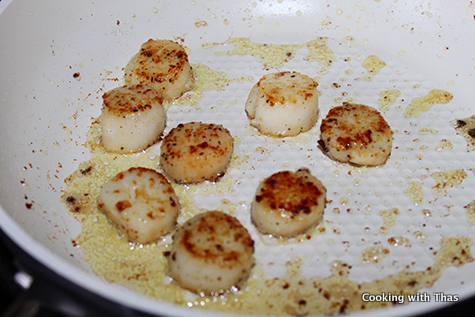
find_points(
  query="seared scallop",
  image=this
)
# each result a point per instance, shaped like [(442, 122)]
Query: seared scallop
[(194, 152), (466, 127), (133, 118), (141, 202), (288, 203), (356, 134), (283, 104), (211, 253), (164, 65)]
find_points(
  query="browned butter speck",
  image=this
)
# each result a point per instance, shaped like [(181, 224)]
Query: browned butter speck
[(142, 268)]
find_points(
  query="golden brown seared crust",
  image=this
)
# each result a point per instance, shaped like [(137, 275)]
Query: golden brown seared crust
[(195, 151), (277, 95), (133, 118), (218, 228), (123, 101), (356, 134), (290, 193), (141, 190), (283, 104), (170, 54), (141, 202), (288, 203), (164, 65), (211, 254)]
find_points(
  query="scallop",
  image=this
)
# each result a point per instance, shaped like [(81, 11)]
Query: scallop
[(288, 203), (141, 202), (164, 65), (211, 254), (133, 118), (194, 152), (466, 127), (357, 134), (283, 104)]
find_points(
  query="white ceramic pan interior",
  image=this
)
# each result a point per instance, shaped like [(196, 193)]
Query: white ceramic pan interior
[(46, 111)]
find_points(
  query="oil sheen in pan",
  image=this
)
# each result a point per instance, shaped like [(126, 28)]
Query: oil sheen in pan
[(141, 267)]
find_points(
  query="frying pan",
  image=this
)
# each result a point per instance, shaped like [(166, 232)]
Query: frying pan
[(57, 58)]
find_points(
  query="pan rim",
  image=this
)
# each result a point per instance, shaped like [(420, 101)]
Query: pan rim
[(94, 285)]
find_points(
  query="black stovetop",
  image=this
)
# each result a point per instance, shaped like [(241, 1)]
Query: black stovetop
[(50, 295)]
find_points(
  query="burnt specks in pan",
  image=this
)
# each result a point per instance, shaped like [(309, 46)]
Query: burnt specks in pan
[(460, 123), (86, 171), (76, 203), (296, 300)]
